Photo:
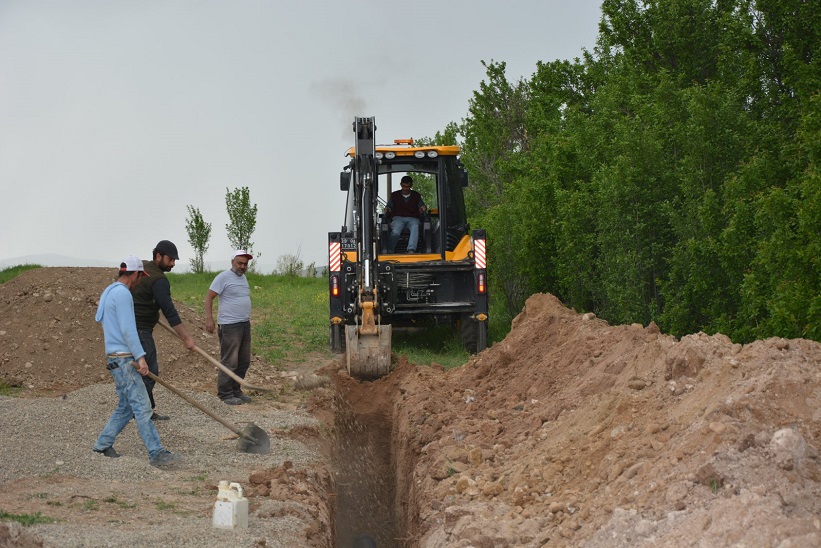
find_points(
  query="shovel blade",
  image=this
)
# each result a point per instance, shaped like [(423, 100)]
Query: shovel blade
[(254, 440)]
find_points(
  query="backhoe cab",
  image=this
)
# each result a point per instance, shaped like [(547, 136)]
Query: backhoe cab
[(373, 291)]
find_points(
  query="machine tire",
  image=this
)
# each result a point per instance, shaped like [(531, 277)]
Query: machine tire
[(337, 338), (473, 334)]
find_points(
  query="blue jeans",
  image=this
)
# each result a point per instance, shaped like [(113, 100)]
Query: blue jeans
[(235, 354), (133, 402), (397, 225)]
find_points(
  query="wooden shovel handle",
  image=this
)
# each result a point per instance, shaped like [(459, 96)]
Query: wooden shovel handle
[(199, 406), (222, 368)]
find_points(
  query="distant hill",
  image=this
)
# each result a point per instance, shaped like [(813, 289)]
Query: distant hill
[(51, 259)]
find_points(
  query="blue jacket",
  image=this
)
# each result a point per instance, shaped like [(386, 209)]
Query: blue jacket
[(116, 314)]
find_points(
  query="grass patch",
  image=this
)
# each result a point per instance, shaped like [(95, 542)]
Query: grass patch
[(27, 519), (121, 504), (13, 271), (290, 314), (8, 390), (436, 344), (192, 492), (161, 505)]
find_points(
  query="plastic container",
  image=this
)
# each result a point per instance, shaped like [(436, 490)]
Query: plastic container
[(231, 508)]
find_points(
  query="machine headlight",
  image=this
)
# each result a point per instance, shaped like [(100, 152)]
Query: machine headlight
[(390, 155), (432, 154), (419, 154)]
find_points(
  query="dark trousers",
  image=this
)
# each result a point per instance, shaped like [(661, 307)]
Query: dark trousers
[(147, 340), (235, 354)]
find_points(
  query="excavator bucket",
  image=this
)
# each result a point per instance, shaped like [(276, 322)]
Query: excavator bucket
[(368, 356)]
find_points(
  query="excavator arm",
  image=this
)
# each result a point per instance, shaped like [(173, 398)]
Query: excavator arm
[(368, 342)]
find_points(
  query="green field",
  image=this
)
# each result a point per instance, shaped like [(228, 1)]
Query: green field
[(290, 320), (8, 273)]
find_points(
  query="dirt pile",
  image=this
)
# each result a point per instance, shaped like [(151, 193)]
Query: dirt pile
[(575, 432)]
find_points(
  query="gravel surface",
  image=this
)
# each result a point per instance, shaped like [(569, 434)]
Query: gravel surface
[(46, 454)]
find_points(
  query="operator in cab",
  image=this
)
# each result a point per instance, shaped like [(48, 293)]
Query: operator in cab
[(405, 206)]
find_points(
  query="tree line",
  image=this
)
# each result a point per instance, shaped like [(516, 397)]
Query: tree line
[(669, 175)]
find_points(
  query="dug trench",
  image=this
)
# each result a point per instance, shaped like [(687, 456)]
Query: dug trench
[(371, 460), (365, 475), (570, 431)]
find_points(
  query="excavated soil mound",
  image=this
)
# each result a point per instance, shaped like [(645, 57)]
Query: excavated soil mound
[(575, 432), (569, 432)]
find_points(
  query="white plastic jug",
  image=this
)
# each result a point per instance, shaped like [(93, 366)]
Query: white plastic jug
[(231, 508)]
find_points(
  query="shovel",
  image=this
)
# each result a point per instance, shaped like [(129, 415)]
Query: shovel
[(224, 369), (252, 439)]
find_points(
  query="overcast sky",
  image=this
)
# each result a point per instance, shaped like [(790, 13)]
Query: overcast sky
[(116, 115)]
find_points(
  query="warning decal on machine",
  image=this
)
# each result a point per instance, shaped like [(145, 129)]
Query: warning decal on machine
[(480, 254), (334, 259)]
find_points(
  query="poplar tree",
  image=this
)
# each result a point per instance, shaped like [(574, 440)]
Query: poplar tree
[(199, 232), (242, 218)]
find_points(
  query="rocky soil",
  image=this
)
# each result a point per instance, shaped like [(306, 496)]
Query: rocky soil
[(569, 432)]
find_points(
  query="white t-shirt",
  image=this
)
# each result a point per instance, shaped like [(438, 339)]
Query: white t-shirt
[(234, 297)]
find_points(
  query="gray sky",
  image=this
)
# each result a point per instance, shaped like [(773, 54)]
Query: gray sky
[(115, 115)]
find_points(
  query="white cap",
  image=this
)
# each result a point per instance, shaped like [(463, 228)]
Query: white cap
[(242, 253), (132, 264)]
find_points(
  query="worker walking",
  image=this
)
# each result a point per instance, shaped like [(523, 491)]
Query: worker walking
[(122, 346), (234, 319), (150, 297)]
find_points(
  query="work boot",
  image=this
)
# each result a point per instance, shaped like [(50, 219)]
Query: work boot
[(157, 417), (108, 452), (233, 401), (244, 398), (164, 458)]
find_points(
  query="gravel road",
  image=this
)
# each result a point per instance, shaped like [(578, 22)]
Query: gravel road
[(48, 467)]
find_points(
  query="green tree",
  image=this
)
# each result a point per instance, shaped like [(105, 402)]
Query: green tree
[(495, 136), (495, 142), (199, 232), (242, 218), (669, 175), (423, 183)]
